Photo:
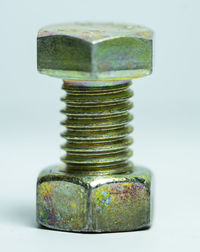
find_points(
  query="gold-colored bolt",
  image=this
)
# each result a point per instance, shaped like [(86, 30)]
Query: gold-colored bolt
[(96, 62)]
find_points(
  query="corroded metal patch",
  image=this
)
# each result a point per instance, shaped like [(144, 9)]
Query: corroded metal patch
[(109, 203), (121, 206), (61, 205)]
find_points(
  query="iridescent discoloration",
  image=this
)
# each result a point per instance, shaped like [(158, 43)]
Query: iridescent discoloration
[(95, 52), (61, 205), (82, 203), (121, 206)]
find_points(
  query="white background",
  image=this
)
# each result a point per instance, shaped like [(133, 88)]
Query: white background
[(167, 123)]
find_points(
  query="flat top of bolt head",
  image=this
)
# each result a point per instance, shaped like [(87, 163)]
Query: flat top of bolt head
[(96, 32)]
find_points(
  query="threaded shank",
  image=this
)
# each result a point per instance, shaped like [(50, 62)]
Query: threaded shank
[(97, 128)]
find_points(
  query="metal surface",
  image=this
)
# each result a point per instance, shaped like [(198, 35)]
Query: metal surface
[(95, 51), (97, 128), (98, 189), (98, 203)]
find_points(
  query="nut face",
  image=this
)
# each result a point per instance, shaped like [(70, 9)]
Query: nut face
[(95, 51), (57, 206), (121, 206), (108, 203)]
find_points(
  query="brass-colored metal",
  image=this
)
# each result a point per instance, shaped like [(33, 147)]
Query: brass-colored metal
[(97, 129), (97, 189)]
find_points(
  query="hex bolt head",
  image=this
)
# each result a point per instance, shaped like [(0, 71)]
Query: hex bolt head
[(86, 51)]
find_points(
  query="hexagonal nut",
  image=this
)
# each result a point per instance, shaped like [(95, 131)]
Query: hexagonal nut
[(85, 51), (110, 203)]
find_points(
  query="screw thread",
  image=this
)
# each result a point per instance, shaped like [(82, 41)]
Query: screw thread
[(97, 128)]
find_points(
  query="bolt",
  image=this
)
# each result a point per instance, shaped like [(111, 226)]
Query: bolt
[(98, 189)]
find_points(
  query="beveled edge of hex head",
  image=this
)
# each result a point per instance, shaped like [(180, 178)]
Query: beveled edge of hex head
[(95, 51)]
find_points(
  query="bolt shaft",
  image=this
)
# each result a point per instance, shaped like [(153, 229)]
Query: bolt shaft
[(97, 128)]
